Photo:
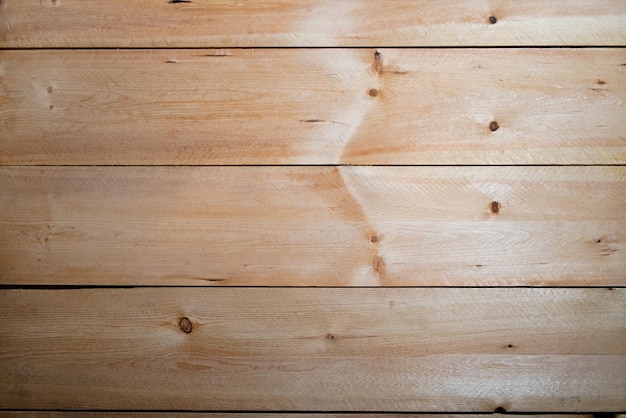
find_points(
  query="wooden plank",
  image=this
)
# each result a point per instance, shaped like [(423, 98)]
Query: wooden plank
[(313, 226), (310, 349), (309, 106), (230, 23)]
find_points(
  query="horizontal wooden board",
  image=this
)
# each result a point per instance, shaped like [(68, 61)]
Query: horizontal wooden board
[(314, 349), (313, 226), (230, 23), (313, 106)]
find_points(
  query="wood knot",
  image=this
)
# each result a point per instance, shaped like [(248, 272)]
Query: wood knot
[(374, 239), (493, 20), (185, 325), (330, 337), (373, 92), (495, 207), (494, 126)]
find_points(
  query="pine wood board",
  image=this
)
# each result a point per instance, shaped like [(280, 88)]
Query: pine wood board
[(409, 349), (313, 226), (305, 23), (313, 106)]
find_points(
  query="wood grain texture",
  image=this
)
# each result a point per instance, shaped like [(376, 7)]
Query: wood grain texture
[(314, 349), (313, 226), (230, 23), (311, 106)]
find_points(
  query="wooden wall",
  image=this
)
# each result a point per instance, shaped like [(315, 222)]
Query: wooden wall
[(313, 206)]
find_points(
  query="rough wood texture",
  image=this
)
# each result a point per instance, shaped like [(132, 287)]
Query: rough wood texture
[(300, 226), (230, 23), (314, 349), (309, 106)]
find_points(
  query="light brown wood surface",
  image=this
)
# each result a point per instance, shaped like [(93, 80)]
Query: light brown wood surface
[(340, 206), (202, 23), (314, 349), (313, 106), (313, 226)]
